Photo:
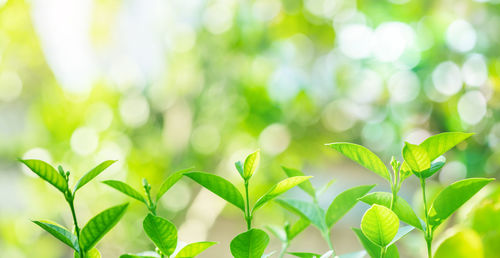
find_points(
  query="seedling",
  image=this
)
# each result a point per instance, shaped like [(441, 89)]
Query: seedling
[(162, 232), (253, 242), (420, 160), (82, 241), (312, 212)]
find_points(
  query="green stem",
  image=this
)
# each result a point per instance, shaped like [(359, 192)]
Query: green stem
[(382, 251), (284, 247), (248, 216), (70, 201), (326, 236), (428, 229), (394, 198)]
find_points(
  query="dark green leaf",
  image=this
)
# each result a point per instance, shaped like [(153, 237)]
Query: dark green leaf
[(194, 249), (401, 207), (454, 196), (92, 174), (126, 189), (60, 233), (306, 185), (162, 232), (380, 225), (362, 156), (220, 187), (170, 181), (101, 224), (279, 189), (344, 202), (47, 173), (306, 210), (250, 244)]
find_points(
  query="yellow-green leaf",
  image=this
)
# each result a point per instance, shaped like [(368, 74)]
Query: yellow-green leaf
[(279, 189), (464, 244), (344, 202), (194, 249), (162, 232), (380, 225), (92, 174), (251, 164), (47, 173), (416, 157)]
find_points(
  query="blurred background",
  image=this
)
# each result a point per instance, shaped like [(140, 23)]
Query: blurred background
[(162, 85)]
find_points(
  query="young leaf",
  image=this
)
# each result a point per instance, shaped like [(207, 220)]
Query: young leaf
[(219, 186), (194, 249), (250, 244), (374, 250), (278, 189), (437, 145), (251, 164), (47, 173), (306, 210), (126, 189), (147, 254), (92, 174), (416, 157), (99, 225), (60, 233), (92, 253), (306, 185), (435, 167), (305, 255), (344, 202), (454, 196), (325, 187), (239, 168), (162, 232), (297, 228), (463, 244), (380, 225), (362, 156), (401, 207), (170, 181)]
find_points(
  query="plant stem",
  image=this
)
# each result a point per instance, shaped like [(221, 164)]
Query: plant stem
[(326, 236), (70, 201), (284, 247), (382, 251), (248, 216), (394, 198), (428, 229)]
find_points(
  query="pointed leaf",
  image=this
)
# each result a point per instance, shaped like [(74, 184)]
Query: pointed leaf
[(162, 232), (362, 156), (99, 225), (298, 227), (60, 233), (416, 157), (435, 167), (92, 174), (344, 202), (306, 185), (305, 255), (250, 244), (463, 244), (126, 189), (194, 249), (170, 181), (454, 196), (239, 168), (306, 210), (402, 231), (380, 225), (401, 207), (279, 189), (371, 248), (437, 145), (220, 187), (47, 173), (251, 164)]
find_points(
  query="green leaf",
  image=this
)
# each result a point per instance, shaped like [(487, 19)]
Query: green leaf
[(402, 231), (170, 181), (437, 145), (60, 233), (344, 202), (374, 250), (306, 185), (278, 232), (416, 157), (99, 225), (435, 167), (148, 254), (250, 244), (307, 210), (380, 225), (92, 174), (126, 189), (47, 173), (251, 164), (278, 189), (220, 187), (297, 227), (465, 243), (454, 196), (239, 168), (194, 249), (93, 253), (362, 156), (401, 207), (305, 255), (162, 232)]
